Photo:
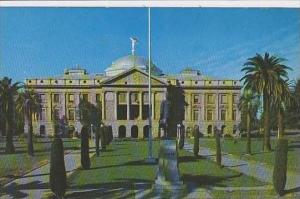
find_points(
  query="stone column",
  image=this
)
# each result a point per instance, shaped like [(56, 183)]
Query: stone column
[(202, 106), (152, 105), (116, 105), (128, 105), (103, 105), (217, 106), (63, 104), (140, 105)]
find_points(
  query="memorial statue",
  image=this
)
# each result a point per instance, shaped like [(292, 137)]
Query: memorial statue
[(164, 121)]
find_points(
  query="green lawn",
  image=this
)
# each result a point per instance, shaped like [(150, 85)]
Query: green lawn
[(14, 165), (123, 165), (239, 148)]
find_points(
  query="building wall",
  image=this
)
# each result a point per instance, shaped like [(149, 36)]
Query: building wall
[(207, 103)]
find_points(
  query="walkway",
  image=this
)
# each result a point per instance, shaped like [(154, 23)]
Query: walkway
[(254, 169), (35, 183)]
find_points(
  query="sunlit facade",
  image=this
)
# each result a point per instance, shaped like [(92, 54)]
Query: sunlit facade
[(122, 91)]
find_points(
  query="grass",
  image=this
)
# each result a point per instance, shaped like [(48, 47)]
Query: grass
[(123, 166), (19, 163), (239, 149)]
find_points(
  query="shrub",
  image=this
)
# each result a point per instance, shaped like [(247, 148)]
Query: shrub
[(103, 136), (181, 140), (58, 180), (218, 147), (85, 157), (280, 166), (196, 141), (97, 138)]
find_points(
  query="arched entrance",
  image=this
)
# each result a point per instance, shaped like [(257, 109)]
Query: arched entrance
[(42, 130), (134, 131), (209, 129), (146, 131), (122, 131)]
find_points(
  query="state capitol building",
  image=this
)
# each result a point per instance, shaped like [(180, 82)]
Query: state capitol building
[(122, 91)]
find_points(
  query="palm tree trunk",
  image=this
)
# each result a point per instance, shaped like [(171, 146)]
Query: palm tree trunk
[(29, 138), (248, 133), (267, 142), (280, 124), (9, 138)]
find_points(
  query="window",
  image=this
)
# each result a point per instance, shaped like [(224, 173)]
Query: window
[(122, 98), (71, 98), (196, 99), (223, 115), (55, 114), (235, 99), (98, 98), (43, 98), (234, 115), (209, 115), (56, 98), (85, 97), (134, 98), (71, 114), (210, 99), (145, 98), (223, 99), (196, 114)]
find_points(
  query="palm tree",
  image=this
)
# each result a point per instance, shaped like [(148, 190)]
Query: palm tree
[(281, 101), (8, 91), (262, 75), (249, 103), (29, 103)]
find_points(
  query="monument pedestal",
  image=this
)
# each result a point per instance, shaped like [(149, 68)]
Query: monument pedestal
[(168, 177)]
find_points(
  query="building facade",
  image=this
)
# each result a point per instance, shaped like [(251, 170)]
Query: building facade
[(122, 91)]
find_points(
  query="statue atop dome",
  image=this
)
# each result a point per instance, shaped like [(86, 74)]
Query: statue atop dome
[(133, 43)]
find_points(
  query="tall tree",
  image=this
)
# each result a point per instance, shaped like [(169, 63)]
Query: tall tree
[(280, 102), (262, 75), (8, 92), (292, 119), (29, 102), (248, 104)]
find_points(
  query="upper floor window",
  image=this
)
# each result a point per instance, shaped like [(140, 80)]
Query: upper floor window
[(196, 114), (209, 115), (196, 99), (71, 114), (210, 99), (234, 115), (223, 99), (71, 98), (134, 98), (56, 98), (85, 97), (223, 115), (235, 99), (43, 98), (98, 98), (145, 98), (122, 98)]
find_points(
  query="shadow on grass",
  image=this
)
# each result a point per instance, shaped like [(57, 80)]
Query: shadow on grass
[(15, 190), (129, 163), (206, 180), (188, 158), (289, 191)]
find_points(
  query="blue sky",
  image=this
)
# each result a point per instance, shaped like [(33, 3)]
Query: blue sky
[(41, 42)]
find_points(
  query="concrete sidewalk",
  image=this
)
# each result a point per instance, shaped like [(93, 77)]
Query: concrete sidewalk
[(36, 182), (251, 168)]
